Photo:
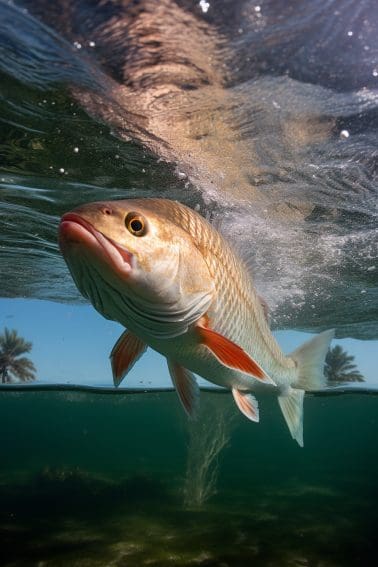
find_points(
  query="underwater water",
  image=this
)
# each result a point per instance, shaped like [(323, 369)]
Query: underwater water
[(263, 117), (105, 479)]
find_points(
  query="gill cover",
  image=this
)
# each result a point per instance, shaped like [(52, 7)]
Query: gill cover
[(165, 286)]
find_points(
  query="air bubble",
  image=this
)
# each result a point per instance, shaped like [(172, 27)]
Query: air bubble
[(204, 6)]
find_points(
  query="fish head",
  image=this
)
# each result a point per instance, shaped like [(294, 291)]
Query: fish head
[(132, 259)]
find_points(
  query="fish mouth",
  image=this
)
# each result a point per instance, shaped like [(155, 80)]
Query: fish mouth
[(74, 230)]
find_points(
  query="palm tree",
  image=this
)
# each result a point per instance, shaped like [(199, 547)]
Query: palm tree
[(339, 366), (12, 346)]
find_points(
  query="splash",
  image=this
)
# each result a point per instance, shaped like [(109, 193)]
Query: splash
[(241, 110)]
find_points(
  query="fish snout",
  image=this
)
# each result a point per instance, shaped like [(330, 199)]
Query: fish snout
[(106, 210), (77, 232)]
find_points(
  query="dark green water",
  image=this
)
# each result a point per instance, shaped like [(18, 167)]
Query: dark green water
[(94, 479)]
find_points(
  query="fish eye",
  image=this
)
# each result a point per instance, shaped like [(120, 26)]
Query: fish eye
[(136, 224)]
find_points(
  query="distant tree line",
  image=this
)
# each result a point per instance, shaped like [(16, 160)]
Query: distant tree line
[(339, 366), (14, 366)]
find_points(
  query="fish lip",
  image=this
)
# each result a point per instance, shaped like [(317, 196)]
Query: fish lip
[(119, 256)]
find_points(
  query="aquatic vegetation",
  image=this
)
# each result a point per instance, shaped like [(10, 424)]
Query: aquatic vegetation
[(12, 367), (339, 366), (53, 534), (209, 434)]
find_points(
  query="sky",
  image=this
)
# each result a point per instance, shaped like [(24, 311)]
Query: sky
[(72, 343)]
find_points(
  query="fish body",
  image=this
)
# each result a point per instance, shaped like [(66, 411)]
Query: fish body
[(161, 270)]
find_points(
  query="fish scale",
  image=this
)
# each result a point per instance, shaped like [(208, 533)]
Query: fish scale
[(175, 283), (233, 284)]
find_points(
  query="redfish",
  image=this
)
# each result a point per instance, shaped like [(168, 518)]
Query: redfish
[(168, 276)]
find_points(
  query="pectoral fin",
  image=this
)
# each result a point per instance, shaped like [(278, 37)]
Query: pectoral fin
[(230, 354), (127, 350), (247, 404), (186, 387)]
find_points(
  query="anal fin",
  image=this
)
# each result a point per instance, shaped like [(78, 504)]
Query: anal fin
[(127, 350), (186, 387), (247, 404), (291, 405)]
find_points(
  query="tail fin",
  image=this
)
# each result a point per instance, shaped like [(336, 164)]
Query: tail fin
[(291, 405), (310, 360)]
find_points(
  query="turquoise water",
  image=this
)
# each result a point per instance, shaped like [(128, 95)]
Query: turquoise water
[(263, 117), (94, 479)]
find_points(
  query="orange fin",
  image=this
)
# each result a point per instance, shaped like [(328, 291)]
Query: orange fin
[(231, 355), (127, 350), (247, 404), (186, 387)]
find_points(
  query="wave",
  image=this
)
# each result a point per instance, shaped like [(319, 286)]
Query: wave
[(265, 120)]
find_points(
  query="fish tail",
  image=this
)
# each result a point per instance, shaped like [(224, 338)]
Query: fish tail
[(291, 404), (310, 361), (309, 358)]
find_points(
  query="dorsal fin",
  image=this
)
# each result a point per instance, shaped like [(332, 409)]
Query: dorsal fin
[(265, 307)]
